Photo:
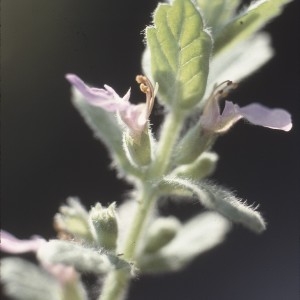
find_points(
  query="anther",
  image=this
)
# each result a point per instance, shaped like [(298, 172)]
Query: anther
[(147, 88), (144, 88)]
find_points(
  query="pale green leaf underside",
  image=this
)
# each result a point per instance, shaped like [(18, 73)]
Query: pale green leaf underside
[(23, 280), (248, 22), (105, 127), (82, 258), (104, 124), (219, 199), (198, 235), (180, 51)]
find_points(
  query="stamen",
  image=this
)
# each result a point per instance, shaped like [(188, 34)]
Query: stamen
[(147, 88), (227, 85)]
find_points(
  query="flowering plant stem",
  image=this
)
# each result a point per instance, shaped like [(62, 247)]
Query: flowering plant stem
[(116, 283)]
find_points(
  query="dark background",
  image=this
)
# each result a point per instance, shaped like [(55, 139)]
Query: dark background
[(48, 153)]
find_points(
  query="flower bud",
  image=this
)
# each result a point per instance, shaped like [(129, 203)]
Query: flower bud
[(202, 167), (138, 148), (72, 221), (160, 233), (193, 143), (104, 225)]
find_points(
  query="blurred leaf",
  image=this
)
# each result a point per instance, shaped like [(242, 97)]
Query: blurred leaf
[(82, 258), (239, 62), (23, 280), (248, 22), (196, 236), (218, 12)]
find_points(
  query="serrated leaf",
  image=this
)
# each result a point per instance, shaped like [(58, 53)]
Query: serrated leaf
[(219, 199), (196, 236), (248, 22), (180, 51)]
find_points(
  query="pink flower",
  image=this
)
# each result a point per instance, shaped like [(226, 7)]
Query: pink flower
[(11, 244), (134, 116), (213, 120)]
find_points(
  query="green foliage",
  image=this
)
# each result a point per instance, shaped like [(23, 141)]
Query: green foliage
[(82, 258), (180, 51), (106, 128), (248, 22), (216, 198), (104, 225), (196, 236), (103, 123), (216, 13), (23, 280)]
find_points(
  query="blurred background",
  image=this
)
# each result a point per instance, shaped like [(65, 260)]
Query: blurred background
[(48, 153)]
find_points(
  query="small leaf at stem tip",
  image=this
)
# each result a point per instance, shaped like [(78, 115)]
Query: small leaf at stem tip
[(180, 50)]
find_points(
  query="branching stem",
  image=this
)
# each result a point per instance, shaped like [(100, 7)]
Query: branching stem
[(117, 282)]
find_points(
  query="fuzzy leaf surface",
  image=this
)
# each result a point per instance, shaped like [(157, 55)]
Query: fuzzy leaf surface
[(217, 198), (248, 22), (106, 128), (180, 50), (22, 280), (218, 12), (196, 236)]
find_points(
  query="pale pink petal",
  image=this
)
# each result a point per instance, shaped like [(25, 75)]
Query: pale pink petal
[(135, 118), (106, 98), (211, 114), (63, 273), (275, 118), (11, 244)]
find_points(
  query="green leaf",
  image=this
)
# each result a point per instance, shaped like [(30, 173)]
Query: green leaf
[(217, 12), (104, 124), (73, 219), (107, 129), (23, 280), (199, 234), (160, 232), (82, 258), (219, 199), (180, 51), (202, 167), (248, 22), (241, 61)]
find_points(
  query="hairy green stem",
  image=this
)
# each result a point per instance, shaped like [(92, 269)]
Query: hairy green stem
[(117, 282), (169, 135)]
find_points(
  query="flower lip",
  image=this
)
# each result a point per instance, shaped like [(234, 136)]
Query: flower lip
[(213, 120), (106, 98), (134, 116)]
